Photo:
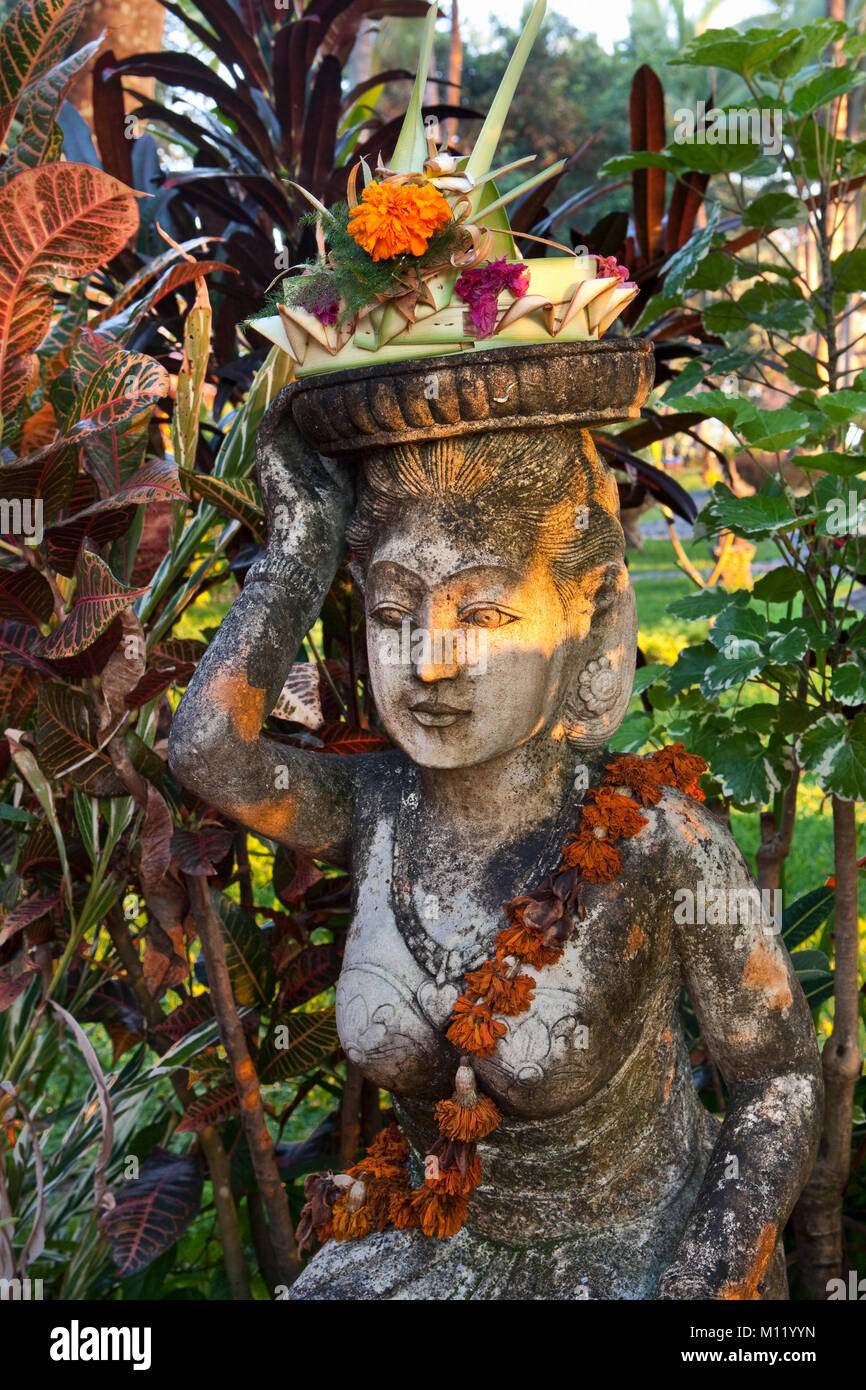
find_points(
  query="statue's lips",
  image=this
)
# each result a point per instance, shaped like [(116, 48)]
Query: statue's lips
[(435, 715)]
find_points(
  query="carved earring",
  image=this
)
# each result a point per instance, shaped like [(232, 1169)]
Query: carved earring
[(598, 687)]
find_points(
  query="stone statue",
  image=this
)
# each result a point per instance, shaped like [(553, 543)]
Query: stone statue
[(484, 512)]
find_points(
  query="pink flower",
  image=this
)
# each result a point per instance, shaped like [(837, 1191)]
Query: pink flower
[(479, 287), (608, 265)]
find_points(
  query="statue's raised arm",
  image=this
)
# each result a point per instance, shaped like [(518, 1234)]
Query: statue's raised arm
[(298, 798)]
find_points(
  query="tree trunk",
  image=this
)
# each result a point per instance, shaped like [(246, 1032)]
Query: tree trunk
[(818, 1214), (134, 26), (258, 1136)]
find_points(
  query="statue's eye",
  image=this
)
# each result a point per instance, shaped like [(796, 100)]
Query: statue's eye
[(485, 615), (390, 614)]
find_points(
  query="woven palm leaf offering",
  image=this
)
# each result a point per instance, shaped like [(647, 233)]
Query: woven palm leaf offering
[(420, 260)]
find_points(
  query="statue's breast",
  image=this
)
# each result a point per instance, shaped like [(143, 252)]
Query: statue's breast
[(614, 980)]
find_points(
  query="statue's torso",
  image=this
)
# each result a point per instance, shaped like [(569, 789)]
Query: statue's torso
[(601, 1118)]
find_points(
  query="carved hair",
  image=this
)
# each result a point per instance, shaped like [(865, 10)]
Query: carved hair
[(540, 478), (536, 480)]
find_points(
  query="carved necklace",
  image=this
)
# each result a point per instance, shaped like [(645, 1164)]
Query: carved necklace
[(444, 965), (377, 1191)]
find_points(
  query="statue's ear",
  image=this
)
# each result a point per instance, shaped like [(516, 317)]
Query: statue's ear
[(599, 697)]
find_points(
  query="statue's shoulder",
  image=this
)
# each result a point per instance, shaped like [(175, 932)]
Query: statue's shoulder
[(687, 838)]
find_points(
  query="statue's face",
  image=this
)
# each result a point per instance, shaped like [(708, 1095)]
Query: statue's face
[(467, 640)]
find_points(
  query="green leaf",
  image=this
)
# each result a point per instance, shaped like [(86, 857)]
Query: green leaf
[(824, 87), (787, 644), (646, 675), (780, 585), (775, 210), (849, 683), (309, 1038), (411, 148), (690, 666), (716, 270), (773, 430), (740, 623), (684, 262), (849, 271), (757, 517), (738, 660), (744, 770), (632, 733), (841, 465), (803, 918), (843, 406), (621, 164), (481, 159), (37, 112), (834, 751), (802, 368)]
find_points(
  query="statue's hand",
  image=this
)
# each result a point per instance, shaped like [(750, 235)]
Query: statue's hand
[(307, 499)]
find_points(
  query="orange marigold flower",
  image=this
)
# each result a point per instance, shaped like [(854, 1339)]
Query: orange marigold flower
[(371, 1167), (402, 1211), (379, 1195), (453, 1182), (467, 1122), (394, 218), (597, 860), (617, 814), (674, 767), (441, 1214), (636, 774), (504, 996), (473, 1029), (351, 1225), (390, 1143), (527, 944)]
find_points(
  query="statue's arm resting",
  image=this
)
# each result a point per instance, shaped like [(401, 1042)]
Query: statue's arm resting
[(758, 1029), (216, 749)]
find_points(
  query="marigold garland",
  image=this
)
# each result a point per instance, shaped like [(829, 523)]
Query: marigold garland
[(377, 1190)]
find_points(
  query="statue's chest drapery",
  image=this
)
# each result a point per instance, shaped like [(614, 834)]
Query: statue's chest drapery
[(614, 980)]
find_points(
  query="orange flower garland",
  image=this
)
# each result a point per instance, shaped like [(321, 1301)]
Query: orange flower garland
[(377, 1190), (394, 218)]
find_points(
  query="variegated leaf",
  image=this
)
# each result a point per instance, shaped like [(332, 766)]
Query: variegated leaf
[(59, 219), (236, 497), (99, 599)]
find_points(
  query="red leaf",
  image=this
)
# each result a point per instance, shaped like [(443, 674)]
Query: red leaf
[(184, 1019), (199, 851), (647, 117), (312, 970), (210, 1109), (154, 1210), (25, 912), (26, 597), (350, 738), (99, 599)]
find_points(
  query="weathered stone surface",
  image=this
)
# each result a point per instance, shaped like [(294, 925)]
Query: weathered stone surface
[(607, 1178)]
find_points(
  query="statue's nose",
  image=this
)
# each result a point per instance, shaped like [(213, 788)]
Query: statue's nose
[(437, 652)]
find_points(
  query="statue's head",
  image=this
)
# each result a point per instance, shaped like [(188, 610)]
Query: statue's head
[(497, 599), (487, 540)]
